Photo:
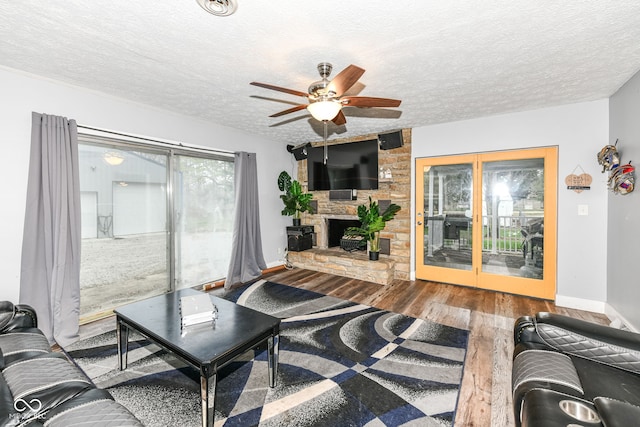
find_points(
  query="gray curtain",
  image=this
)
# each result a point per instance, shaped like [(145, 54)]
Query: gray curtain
[(50, 270), (247, 260)]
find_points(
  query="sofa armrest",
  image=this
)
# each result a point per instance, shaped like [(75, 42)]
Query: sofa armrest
[(20, 316), (524, 331), (26, 316)]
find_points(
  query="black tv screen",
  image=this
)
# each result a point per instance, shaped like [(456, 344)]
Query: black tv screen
[(349, 166)]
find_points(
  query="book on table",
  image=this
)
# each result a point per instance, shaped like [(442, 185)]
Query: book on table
[(196, 309)]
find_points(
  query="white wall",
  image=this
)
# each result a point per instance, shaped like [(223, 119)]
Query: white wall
[(623, 225), (22, 94), (579, 130)]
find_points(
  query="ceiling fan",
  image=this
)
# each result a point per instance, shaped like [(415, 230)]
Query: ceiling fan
[(327, 97)]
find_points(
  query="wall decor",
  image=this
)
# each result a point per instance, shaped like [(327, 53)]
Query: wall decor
[(621, 177), (608, 157), (578, 183)]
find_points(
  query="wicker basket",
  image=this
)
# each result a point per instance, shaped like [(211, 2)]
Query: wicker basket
[(353, 243)]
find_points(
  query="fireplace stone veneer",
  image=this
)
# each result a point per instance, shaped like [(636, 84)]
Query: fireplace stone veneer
[(355, 265)]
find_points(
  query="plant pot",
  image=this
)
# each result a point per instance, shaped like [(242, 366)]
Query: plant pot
[(297, 222), (374, 256)]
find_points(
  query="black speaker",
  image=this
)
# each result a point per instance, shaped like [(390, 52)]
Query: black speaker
[(343, 194), (383, 205), (299, 230), (300, 151), (385, 246), (300, 242), (390, 140)]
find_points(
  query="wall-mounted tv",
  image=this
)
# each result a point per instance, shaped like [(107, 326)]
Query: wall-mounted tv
[(349, 166)]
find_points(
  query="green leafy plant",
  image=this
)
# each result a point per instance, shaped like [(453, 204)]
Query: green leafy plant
[(372, 223), (295, 201)]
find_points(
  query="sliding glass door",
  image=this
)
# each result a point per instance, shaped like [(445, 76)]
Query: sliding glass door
[(153, 220), (444, 228), (204, 199), (124, 226), (489, 220)]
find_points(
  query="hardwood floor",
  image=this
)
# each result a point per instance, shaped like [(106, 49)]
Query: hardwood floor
[(485, 395)]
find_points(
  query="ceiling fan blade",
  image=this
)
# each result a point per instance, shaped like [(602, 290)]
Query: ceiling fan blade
[(367, 101), (290, 110), (345, 79), (280, 89), (340, 119)]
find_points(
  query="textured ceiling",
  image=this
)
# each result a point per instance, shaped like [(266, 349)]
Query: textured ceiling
[(446, 60)]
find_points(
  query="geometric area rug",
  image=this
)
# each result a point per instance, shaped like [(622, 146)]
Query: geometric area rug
[(340, 364)]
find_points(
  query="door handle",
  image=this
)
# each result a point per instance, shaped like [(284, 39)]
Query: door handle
[(419, 222)]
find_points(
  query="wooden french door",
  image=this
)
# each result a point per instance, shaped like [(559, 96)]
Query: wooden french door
[(488, 220)]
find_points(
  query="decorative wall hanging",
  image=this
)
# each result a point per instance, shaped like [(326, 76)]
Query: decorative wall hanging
[(578, 183), (621, 177), (608, 157)]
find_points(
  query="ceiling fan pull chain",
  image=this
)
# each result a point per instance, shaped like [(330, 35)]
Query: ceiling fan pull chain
[(326, 155)]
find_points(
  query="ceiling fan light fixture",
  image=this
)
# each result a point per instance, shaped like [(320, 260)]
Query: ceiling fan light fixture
[(218, 7), (324, 110), (113, 158)]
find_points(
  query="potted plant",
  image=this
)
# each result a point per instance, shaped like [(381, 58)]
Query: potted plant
[(372, 223), (295, 201)]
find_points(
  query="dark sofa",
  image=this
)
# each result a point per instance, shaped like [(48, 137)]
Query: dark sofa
[(39, 387), (568, 371)]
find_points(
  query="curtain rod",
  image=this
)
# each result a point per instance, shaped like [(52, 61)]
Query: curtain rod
[(155, 141)]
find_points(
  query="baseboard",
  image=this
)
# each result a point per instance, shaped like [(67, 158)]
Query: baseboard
[(580, 304), (617, 319), (220, 283), (272, 269)]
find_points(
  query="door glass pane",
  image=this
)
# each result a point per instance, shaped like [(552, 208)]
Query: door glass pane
[(513, 217), (448, 201), (204, 202), (124, 227)]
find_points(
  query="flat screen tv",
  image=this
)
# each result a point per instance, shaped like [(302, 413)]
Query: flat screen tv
[(349, 166)]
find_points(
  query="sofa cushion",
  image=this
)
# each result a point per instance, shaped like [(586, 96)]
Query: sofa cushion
[(94, 407), (102, 413), (43, 382), (21, 344)]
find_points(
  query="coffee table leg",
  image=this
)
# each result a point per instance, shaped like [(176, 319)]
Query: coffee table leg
[(208, 394), (122, 333), (274, 343)]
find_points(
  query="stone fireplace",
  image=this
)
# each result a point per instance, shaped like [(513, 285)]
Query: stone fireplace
[(331, 217)]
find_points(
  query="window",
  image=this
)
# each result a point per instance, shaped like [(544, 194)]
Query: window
[(154, 219)]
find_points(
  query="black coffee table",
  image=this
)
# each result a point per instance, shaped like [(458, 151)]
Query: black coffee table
[(207, 347)]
